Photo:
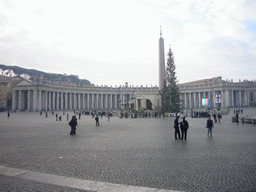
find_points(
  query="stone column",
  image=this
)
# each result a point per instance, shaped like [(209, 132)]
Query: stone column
[(75, 101), (222, 92), (101, 101), (50, 100), (79, 101), (57, 100), (200, 100), (111, 99), (70, 101), (97, 101), (105, 101), (61, 100), (190, 100), (53, 101), (14, 100), (46, 100), (240, 97), (28, 102), (115, 107), (34, 100), (227, 98), (66, 101), (39, 99), (185, 100), (195, 100), (245, 98), (232, 98), (83, 101), (88, 101), (19, 102), (92, 101)]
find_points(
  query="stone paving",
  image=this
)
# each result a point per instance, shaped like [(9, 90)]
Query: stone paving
[(135, 152)]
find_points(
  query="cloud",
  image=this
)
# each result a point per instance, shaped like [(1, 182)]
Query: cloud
[(116, 41)]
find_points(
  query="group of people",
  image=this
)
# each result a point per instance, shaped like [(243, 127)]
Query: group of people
[(216, 116), (183, 127), (73, 124)]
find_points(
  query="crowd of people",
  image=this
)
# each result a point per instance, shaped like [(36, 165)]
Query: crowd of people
[(181, 127)]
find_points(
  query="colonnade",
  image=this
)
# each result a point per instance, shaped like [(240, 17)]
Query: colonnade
[(217, 98), (32, 100), (33, 96)]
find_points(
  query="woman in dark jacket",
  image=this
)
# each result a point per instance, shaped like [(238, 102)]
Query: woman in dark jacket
[(73, 124)]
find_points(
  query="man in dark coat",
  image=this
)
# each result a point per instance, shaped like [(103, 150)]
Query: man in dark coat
[(209, 125), (184, 128), (176, 127), (97, 120), (237, 118), (73, 124)]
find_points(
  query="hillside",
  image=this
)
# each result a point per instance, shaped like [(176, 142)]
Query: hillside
[(18, 71)]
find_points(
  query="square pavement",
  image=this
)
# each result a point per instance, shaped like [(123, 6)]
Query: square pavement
[(140, 153)]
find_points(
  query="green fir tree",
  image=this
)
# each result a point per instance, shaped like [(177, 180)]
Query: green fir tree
[(172, 84)]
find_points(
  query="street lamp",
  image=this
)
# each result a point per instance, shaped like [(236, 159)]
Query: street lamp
[(218, 97)]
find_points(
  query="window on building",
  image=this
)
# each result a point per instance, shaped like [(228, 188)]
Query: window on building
[(251, 97)]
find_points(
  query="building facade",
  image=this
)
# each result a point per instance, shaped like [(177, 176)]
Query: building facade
[(44, 95), (221, 94), (30, 95)]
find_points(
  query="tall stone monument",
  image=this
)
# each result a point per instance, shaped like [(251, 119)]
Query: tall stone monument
[(161, 61)]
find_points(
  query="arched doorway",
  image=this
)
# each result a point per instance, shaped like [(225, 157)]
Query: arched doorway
[(148, 104)]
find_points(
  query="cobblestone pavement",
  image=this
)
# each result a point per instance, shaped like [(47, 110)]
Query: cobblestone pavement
[(137, 152)]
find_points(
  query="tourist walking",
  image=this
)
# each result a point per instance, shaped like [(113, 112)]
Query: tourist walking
[(73, 124), (176, 127), (209, 125), (184, 128), (97, 120)]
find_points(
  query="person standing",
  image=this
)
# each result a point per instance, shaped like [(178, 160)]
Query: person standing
[(209, 125), (73, 124), (97, 120), (176, 127), (237, 118), (219, 117), (8, 114), (184, 128), (214, 117)]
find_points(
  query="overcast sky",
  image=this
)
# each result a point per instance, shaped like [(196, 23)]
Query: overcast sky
[(110, 42)]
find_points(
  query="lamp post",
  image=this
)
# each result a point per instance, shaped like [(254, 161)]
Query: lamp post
[(218, 97)]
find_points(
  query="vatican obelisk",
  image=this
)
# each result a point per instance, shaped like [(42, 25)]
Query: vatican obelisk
[(161, 61)]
